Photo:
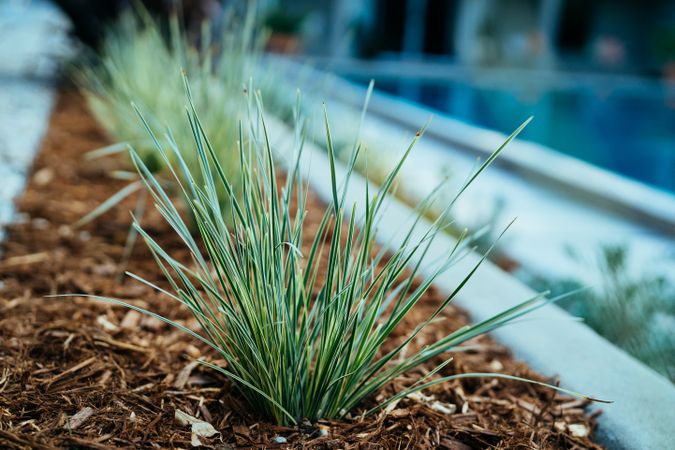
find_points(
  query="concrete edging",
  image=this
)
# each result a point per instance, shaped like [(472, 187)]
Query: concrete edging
[(551, 341), (632, 199)]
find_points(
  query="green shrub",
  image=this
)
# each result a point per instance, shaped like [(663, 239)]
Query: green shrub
[(634, 312)]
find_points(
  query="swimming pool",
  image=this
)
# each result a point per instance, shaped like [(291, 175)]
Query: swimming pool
[(626, 126)]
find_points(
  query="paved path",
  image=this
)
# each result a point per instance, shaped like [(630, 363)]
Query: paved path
[(33, 42)]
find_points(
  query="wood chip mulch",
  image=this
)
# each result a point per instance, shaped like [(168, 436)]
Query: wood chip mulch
[(79, 374)]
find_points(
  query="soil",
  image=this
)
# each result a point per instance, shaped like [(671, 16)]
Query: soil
[(81, 374)]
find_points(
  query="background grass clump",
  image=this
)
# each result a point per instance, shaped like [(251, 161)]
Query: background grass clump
[(635, 312), (141, 61)]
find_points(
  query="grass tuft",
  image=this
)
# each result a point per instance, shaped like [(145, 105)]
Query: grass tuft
[(302, 328)]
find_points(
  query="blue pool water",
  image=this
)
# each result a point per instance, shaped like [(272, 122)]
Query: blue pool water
[(627, 128)]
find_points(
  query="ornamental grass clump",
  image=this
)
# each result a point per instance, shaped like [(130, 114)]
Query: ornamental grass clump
[(301, 328)]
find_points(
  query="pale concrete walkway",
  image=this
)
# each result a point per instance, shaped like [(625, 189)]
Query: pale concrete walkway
[(33, 43)]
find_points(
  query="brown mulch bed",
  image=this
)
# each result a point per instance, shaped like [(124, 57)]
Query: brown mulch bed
[(79, 374)]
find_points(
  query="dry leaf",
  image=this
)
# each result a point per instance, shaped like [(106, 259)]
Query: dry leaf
[(199, 427), (184, 418)]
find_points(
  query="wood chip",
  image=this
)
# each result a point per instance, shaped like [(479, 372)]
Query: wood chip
[(454, 444), (122, 345), (105, 377), (43, 176), (151, 323), (399, 413), (106, 324), (420, 398), (131, 320), (24, 260), (73, 369), (184, 375), (443, 408), (578, 429), (79, 418)]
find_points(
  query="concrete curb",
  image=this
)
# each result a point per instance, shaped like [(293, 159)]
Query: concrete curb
[(602, 188), (632, 199), (551, 342)]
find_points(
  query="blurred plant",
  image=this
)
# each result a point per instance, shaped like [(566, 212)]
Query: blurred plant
[(138, 65), (636, 313), (278, 20), (373, 163), (664, 44), (369, 39), (90, 18), (302, 335), (285, 28)]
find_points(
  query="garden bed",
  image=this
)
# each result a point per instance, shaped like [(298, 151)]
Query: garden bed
[(84, 374)]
